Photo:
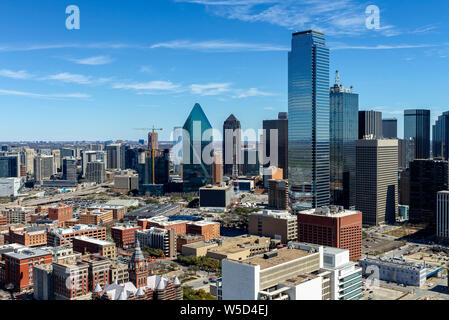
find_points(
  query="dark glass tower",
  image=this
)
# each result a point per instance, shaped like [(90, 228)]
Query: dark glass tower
[(234, 145), (197, 162), (390, 128), (9, 166), (370, 123), (417, 126), (281, 125), (440, 136), (308, 128), (344, 107)]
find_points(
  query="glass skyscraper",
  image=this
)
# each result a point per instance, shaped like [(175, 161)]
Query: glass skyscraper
[(440, 136), (308, 128), (9, 166), (196, 169), (417, 126), (344, 107)]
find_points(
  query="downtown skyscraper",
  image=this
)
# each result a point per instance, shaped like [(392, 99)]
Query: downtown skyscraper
[(308, 129), (344, 107), (417, 126)]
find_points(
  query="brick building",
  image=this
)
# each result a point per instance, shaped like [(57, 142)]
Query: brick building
[(334, 227), (118, 211), (274, 224), (210, 230), (19, 266), (86, 245), (30, 237), (60, 212), (124, 235), (97, 217), (64, 236), (163, 222), (71, 281), (183, 239), (3, 220)]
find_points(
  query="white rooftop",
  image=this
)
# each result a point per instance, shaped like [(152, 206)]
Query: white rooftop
[(331, 211)]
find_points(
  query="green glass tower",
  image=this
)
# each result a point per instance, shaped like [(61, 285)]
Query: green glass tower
[(197, 151)]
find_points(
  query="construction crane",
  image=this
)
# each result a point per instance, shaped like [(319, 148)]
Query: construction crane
[(152, 145)]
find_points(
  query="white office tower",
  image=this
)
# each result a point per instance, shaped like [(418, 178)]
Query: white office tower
[(43, 167), (443, 215), (345, 276), (29, 160), (9, 187), (284, 274), (91, 156)]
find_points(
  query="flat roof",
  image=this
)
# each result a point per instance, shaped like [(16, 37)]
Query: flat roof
[(283, 256), (93, 240), (331, 212), (26, 253), (278, 214)]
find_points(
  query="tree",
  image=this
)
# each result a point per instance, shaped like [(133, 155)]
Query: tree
[(191, 294)]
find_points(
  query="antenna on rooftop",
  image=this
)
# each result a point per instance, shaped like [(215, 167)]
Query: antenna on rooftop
[(337, 77)]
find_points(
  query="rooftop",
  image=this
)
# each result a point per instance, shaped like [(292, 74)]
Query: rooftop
[(283, 256), (26, 253), (93, 240), (331, 211), (278, 214)]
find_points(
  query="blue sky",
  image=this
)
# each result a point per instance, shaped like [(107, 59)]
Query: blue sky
[(133, 64)]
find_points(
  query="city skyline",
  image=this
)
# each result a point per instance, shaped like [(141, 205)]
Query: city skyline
[(168, 62)]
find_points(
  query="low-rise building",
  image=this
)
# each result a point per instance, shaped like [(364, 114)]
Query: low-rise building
[(98, 217), (124, 235), (43, 282), (9, 187), (64, 236), (29, 237), (17, 215), (157, 238), (118, 211), (19, 266), (71, 281), (183, 239), (215, 196), (209, 229), (396, 270), (61, 212), (279, 225), (163, 222), (86, 245)]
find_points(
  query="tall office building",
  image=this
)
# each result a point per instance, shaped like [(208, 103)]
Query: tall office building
[(417, 126), (442, 227), (95, 171), (308, 129), (344, 107), (440, 137), (406, 152), (377, 180), (176, 150), (58, 159), (370, 123), (217, 169), (29, 160), (197, 160), (69, 169), (281, 125), (232, 145), (90, 156), (114, 153), (9, 166), (390, 128), (161, 172), (43, 167), (153, 140), (427, 178)]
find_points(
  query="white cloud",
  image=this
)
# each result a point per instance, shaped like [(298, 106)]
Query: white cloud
[(21, 74), (341, 46), (148, 87), (93, 61), (46, 96), (218, 45), (35, 47), (70, 78), (210, 89), (252, 92)]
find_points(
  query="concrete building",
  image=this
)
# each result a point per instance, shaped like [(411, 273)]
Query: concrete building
[(157, 238), (17, 215), (43, 282), (279, 225), (9, 187), (334, 227), (95, 172), (278, 194), (126, 183), (215, 196), (286, 274), (86, 245), (370, 123), (377, 180), (44, 167), (71, 281), (345, 276), (281, 145), (69, 169), (396, 270)]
